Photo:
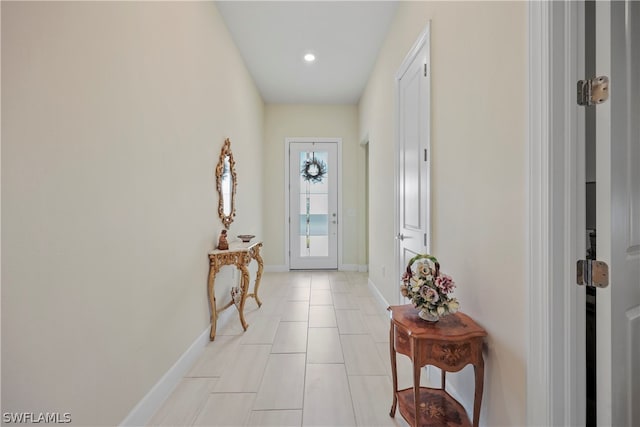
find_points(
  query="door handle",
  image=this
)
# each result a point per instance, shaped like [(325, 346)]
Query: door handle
[(400, 237)]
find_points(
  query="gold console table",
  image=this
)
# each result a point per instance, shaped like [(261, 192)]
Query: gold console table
[(239, 254)]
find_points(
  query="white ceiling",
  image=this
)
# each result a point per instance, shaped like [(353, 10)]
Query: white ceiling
[(273, 36)]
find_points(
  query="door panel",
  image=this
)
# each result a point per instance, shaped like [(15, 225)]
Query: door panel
[(412, 211), (413, 94), (618, 213), (313, 205)]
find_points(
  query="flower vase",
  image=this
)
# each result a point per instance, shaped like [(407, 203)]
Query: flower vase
[(425, 315)]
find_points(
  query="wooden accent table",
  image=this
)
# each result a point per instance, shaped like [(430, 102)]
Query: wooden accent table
[(449, 344), (239, 254)]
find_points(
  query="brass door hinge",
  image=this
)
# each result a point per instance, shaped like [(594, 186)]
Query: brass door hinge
[(594, 91), (592, 273)]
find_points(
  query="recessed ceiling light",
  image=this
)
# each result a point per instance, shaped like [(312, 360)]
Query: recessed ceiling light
[(309, 57)]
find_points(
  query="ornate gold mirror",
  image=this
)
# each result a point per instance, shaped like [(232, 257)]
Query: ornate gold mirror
[(226, 184)]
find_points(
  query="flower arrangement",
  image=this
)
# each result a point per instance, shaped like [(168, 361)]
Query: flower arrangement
[(428, 289)]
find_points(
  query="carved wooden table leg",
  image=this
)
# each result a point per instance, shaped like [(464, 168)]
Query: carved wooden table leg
[(477, 401), (394, 373), (244, 285), (258, 259), (416, 385), (213, 270)]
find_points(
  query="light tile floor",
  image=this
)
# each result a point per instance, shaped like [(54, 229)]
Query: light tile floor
[(315, 354)]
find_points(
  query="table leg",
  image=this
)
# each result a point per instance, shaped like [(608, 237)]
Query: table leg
[(477, 401), (212, 301), (416, 383), (244, 285), (258, 275), (394, 373)]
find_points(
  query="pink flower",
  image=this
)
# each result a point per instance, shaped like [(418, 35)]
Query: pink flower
[(406, 277), (445, 283), (429, 294)]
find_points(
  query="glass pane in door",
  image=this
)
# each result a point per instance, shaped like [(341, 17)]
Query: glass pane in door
[(314, 204)]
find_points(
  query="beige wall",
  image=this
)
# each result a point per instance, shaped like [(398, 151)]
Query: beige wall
[(333, 121), (113, 117), (478, 138)]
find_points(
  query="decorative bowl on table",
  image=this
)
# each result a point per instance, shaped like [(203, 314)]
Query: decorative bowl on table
[(246, 238)]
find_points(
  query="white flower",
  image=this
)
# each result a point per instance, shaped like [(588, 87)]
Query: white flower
[(423, 269)]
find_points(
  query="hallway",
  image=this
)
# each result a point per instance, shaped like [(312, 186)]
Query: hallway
[(315, 354)]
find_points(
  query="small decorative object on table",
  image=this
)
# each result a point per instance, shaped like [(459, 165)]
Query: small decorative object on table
[(428, 288), (246, 238), (223, 244)]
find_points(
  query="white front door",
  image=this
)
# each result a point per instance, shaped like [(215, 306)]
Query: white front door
[(413, 129), (313, 205), (618, 213)]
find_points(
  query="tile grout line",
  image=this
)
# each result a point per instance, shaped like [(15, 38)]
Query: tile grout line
[(306, 359)]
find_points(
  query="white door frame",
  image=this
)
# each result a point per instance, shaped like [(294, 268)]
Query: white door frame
[(287, 143), (556, 312)]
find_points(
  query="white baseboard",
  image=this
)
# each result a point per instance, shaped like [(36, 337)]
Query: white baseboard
[(142, 413), (378, 296), (353, 267), (342, 267)]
